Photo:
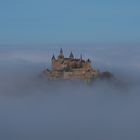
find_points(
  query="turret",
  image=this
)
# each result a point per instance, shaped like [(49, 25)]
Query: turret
[(81, 57), (61, 55), (88, 61), (53, 57), (53, 61), (71, 55), (61, 51), (88, 65)]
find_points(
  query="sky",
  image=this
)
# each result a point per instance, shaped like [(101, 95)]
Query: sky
[(69, 21)]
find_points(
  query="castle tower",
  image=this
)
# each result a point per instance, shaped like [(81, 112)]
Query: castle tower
[(61, 51), (81, 57), (71, 55), (53, 61), (88, 64), (61, 55), (53, 57), (88, 61)]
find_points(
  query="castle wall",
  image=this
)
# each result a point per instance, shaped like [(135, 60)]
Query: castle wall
[(56, 65), (75, 73), (61, 64), (87, 66)]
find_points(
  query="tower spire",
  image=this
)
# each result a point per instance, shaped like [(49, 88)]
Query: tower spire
[(61, 55), (81, 57), (53, 57), (61, 51), (71, 55), (88, 60)]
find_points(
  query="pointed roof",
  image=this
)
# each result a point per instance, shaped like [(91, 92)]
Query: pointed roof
[(81, 57), (53, 57), (61, 51), (71, 55), (88, 61)]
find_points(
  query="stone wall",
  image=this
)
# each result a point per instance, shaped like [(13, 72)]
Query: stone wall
[(61, 64)]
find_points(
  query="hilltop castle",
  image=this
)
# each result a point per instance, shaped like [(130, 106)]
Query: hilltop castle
[(70, 68), (71, 63)]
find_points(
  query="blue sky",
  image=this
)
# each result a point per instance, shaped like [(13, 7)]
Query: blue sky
[(69, 21)]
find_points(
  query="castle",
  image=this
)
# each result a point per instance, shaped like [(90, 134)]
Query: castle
[(70, 68), (71, 63)]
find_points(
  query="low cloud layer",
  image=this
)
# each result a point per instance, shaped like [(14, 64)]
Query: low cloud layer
[(33, 108)]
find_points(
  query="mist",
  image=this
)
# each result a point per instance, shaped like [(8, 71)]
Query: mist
[(34, 108)]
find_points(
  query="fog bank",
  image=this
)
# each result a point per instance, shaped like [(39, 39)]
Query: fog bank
[(33, 108)]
